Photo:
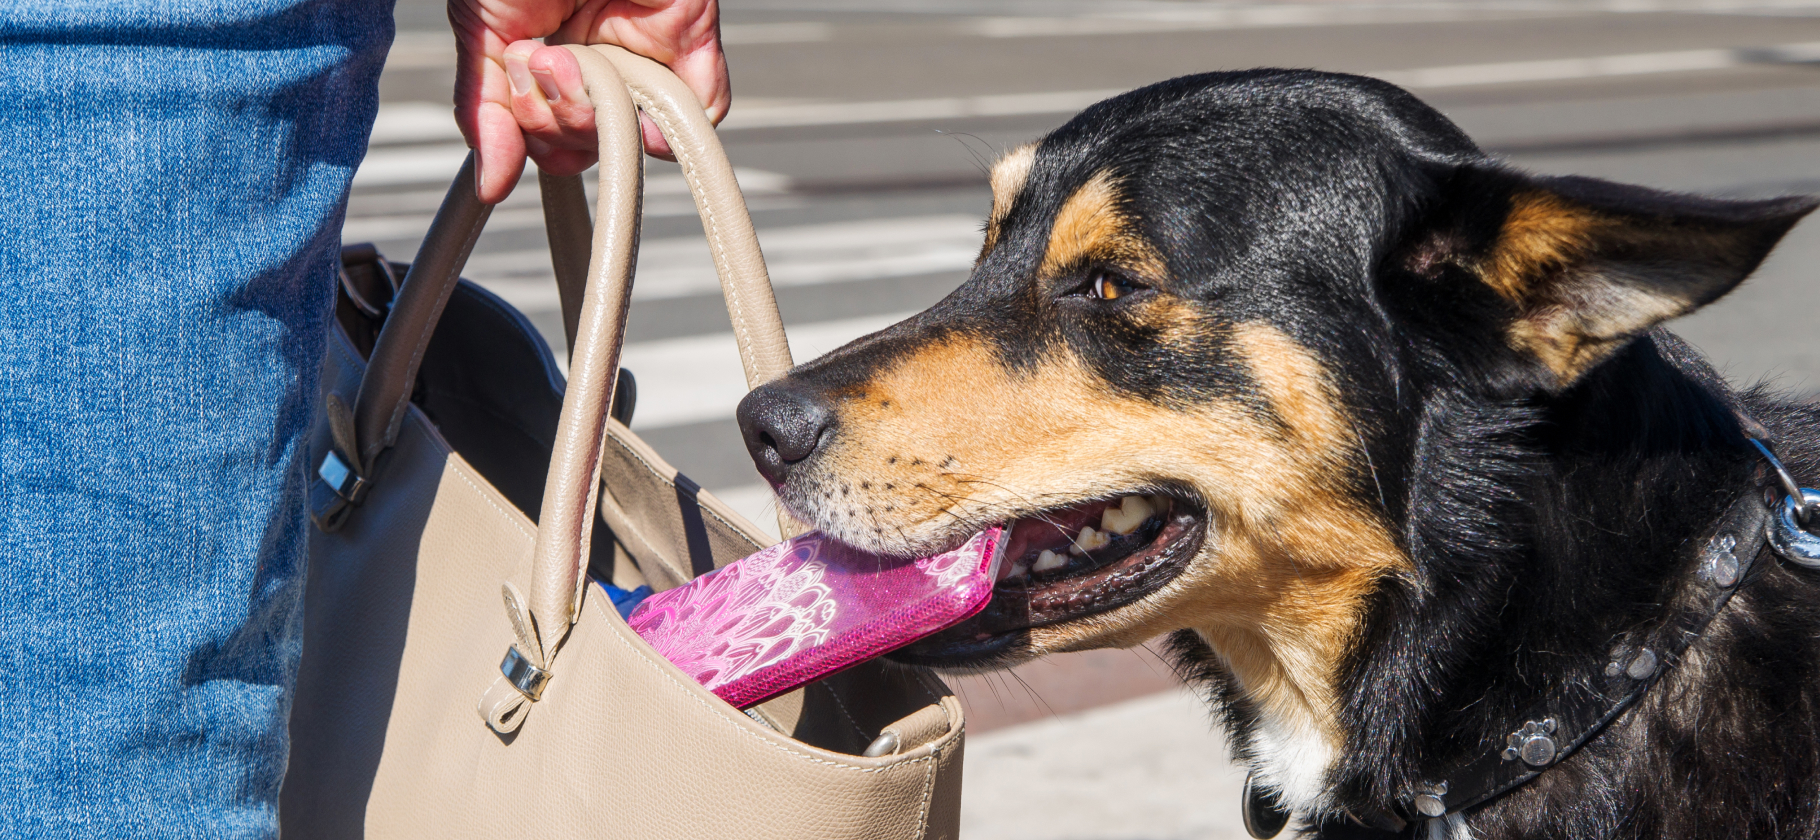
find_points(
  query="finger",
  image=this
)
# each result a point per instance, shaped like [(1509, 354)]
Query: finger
[(656, 144), (531, 106), (682, 34), (500, 150), (704, 70), (570, 126), (558, 77), (560, 161), (528, 102), (483, 111)]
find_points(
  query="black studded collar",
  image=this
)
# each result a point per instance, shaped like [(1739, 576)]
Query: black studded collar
[(1557, 726)]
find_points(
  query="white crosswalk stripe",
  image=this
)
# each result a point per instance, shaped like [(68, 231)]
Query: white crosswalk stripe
[(805, 255), (695, 379), (665, 195)]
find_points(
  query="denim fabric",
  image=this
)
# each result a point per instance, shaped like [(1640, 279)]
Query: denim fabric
[(173, 174)]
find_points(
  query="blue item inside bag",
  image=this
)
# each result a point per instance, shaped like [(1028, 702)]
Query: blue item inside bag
[(625, 600)]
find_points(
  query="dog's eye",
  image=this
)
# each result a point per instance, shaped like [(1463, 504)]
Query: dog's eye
[(1109, 286)]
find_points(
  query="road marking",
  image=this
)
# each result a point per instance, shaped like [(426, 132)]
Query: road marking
[(382, 228), (908, 110), (414, 122), (1188, 18), (698, 379), (420, 121), (416, 163), (805, 255), (1460, 75), (665, 195), (1635, 64), (799, 32), (409, 164)]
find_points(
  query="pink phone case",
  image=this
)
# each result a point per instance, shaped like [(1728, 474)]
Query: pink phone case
[(808, 607)]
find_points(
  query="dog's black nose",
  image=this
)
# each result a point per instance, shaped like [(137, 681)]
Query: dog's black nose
[(782, 426)]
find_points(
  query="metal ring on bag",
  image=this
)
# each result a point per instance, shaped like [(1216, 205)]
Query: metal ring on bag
[(524, 676), (1795, 543)]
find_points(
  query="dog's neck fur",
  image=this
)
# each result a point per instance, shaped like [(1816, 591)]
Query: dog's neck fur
[(1540, 532)]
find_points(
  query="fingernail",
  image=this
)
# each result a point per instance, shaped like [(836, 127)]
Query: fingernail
[(520, 73), (546, 82), (480, 180)]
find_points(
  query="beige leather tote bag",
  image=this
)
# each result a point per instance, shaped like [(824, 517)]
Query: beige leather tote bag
[(456, 502)]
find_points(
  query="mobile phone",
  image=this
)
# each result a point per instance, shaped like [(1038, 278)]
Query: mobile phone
[(809, 607)]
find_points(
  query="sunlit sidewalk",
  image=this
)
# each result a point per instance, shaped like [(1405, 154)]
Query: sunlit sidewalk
[(1153, 768)]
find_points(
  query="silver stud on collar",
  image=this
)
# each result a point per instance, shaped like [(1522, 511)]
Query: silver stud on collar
[(1431, 803), (1720, 565), (1643, 666), (1534, 743)]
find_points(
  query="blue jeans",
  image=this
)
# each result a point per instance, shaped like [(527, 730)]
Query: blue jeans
[(173, 177)]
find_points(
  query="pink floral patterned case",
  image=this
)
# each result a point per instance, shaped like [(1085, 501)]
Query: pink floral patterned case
[(808, 607)]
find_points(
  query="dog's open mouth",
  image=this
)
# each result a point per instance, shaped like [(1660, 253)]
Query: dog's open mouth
[(1068, 563)]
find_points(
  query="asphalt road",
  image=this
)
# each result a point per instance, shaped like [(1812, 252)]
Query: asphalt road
[(861, 132)]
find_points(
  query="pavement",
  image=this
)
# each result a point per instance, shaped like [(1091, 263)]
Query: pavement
[(861, 132)]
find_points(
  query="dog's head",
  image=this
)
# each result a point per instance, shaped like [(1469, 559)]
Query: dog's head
[(1205, 317)]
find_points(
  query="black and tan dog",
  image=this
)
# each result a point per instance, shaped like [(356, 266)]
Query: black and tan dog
[(1383, 431)]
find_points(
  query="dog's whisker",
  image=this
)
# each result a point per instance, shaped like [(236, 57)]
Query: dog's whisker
[(1032, 692), (1142, 649)]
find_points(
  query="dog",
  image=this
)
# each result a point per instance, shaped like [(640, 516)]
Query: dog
[(1384, 433)]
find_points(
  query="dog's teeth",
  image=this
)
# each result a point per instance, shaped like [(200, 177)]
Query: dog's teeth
[(1130, 513), (1089, 539), (1018, 570), (1048, 561)]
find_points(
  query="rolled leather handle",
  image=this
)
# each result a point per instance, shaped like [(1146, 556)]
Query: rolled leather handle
[(572, 488), (751, 305), (570, 229), (385, 388)]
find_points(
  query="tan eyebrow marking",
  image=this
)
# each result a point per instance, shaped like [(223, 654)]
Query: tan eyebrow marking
[(1093, 226), (1008, 177)]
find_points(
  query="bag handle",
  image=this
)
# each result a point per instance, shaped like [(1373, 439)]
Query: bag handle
[(615, 80), (570, 229), (757, 327)]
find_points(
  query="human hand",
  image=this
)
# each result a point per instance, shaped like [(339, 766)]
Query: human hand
[(514, 96)]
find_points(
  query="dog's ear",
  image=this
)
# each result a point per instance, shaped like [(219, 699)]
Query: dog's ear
[(1564, 271)]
